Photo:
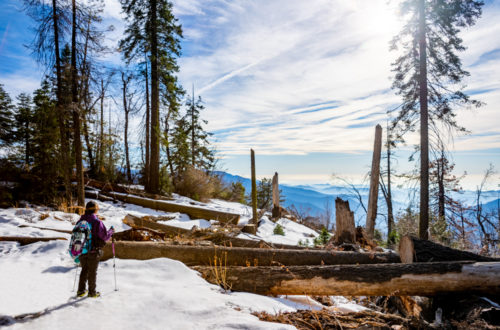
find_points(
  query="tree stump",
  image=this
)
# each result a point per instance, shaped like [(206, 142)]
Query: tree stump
[(346, 232)]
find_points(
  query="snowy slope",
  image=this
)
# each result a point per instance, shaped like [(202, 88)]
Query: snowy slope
[(159, 293)]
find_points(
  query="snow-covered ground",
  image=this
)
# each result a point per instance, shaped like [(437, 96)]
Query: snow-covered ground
[(153, 294)]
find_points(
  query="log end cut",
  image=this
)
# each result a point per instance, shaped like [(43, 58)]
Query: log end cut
[(406, 250)]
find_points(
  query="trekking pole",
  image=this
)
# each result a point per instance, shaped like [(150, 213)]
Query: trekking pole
[(76, 274), (114, 264)]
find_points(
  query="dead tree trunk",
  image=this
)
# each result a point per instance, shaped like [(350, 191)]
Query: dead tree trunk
[(371, 215), (412, 249), (276, 212), (346, 232), (422, 279), (241, 256), (252, 227)]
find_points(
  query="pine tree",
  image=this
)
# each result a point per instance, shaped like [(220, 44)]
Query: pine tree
[(429, 73), (6, 116), (24, 125), (52, 23), (46, 164), (153, 29), (202, 156)]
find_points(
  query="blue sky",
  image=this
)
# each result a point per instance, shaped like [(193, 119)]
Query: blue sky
[(302, 82)]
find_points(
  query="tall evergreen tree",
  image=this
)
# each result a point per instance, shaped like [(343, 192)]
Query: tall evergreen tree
[(6, 116), (24, 125), (46, 164), (152, 29), (52, 25), (428, 75), (202, 156)]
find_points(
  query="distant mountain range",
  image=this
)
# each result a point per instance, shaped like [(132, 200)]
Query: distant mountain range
[(311, 199)]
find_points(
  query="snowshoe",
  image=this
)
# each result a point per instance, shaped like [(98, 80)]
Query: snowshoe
[(81, 294), (94, 295)]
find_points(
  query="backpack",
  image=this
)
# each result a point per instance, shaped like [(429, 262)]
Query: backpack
[(81, 239)]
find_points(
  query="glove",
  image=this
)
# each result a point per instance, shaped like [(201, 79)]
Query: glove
[(112, 230)]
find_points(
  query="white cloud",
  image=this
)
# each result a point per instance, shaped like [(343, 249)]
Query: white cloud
[(268, 60)]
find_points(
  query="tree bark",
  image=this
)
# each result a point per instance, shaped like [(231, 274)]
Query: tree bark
[(412, 249), (64, 139), (345, 230), (423, 279), (390, 215), (276, 211), (23, 240), (371, 215), (255, 220), (154, 171), (77, 142), (125, 133), (100, 157), (148, 145), (424, 129), (241, 256)]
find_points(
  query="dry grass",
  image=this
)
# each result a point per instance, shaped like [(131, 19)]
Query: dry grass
[(219, 271)]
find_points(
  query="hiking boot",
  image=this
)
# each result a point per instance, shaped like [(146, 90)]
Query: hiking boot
[(81, 293), (94, 295)]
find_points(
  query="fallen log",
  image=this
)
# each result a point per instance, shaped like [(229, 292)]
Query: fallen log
[(238, 256), (412, 249), (45, 228), (93, 194), (216, 238), (194, 212), (23, 240), (422, 279)]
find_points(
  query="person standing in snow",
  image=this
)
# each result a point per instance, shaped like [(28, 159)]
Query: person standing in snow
[(90, 260)]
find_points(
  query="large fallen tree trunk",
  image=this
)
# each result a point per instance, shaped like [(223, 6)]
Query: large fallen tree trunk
[(412, 249), (236, 256), (194, 212), (423, 279), (216, 238), (23, 240)]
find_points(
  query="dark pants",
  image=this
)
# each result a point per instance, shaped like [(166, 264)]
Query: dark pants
[(89, 263)]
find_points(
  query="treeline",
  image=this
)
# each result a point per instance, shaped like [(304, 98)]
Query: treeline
[(63, 132)]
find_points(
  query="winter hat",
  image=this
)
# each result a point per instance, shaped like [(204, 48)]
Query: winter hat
[(91, 207)]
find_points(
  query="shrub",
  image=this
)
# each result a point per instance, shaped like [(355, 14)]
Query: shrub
[(278, 230), (196, 184)]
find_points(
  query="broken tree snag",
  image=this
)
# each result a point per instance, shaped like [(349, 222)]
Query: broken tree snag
[(412, 249), (422, 279), (23, 240), (374, 177), (239, 256), (345, 231), (276, 211), (194, 212), (255, 220)]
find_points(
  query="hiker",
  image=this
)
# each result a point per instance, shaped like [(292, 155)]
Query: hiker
[(90, 260)]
